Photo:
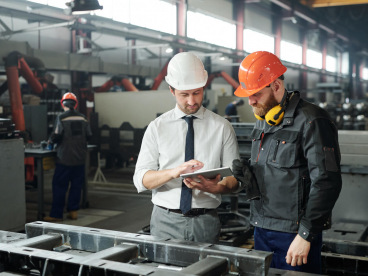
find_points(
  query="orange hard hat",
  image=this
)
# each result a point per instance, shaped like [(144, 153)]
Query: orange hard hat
[(69, 96), (258, 70)]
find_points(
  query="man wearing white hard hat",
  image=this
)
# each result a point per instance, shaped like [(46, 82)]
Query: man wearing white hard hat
[(164, 156)]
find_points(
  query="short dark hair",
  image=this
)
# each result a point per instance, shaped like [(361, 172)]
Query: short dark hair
[(69, 104), (239, 102), (282, 77)]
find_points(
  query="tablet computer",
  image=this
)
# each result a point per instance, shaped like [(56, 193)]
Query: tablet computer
[(209, 174)]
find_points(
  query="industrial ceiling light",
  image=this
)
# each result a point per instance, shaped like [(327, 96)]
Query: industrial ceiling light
[(83, 6), (169, 50), (291, 18)]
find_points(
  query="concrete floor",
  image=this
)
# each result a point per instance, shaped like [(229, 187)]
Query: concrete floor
[(115, 205)]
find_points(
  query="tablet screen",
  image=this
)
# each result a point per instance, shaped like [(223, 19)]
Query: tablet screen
[(209, 174)]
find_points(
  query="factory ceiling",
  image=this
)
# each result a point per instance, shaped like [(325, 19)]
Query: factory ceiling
[(345, 22), (348, 16)]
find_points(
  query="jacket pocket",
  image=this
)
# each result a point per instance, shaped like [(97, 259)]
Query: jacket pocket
[(283, 149), (256, 137)]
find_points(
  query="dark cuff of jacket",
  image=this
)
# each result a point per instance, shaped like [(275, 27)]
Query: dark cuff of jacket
[(55, 138), (306, 234)]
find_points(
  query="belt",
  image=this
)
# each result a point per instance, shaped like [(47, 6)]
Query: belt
[(192, 213)]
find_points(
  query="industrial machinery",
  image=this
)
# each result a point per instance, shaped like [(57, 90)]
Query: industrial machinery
[(39, 86), (347, 114)]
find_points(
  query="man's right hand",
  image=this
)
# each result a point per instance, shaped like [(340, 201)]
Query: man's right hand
[(187, 167), (243, 173), (155, 179)]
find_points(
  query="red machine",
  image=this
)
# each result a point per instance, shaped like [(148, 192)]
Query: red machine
[(17, 65)]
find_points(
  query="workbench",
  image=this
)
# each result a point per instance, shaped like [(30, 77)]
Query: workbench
[(38, 154)]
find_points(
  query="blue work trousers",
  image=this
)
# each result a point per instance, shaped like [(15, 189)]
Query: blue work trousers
[(279, 243), (63, 176)]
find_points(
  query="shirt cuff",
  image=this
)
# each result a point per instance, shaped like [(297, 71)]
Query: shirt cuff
[(138, 180)]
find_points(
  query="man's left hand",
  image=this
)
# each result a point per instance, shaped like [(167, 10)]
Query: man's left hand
[(298, 251)]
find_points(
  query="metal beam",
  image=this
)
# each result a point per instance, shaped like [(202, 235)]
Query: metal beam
[(58, 61), (308, 15), (34, 29), (332, 3)]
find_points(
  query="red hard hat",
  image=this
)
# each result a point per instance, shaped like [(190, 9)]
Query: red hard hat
[(69, 96), (258, 70)]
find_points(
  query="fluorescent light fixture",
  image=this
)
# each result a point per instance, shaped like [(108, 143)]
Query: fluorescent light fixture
[(169, 50), (83, 6)]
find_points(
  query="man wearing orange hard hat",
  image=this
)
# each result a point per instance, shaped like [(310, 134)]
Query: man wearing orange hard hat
[(70, 134), (294, 170)]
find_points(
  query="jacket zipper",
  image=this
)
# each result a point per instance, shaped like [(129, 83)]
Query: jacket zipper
[(276, 149), (260, 146)]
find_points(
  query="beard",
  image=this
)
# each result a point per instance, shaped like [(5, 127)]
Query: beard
[(262, 109), (194, 108)]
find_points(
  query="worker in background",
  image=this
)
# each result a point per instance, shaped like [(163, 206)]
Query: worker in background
[(163, 158), (70, 134), (231, 108), (294, 169)]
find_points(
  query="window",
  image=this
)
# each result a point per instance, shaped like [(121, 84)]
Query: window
[(345, 63), (112, 8), (254, 41), (212, 30), (314, 59), (291, 52), (331, 64), (53, 3), (152, 14), (365, 73), (44, 2)]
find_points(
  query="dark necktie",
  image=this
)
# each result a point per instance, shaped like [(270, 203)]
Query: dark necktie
[(186, 193)]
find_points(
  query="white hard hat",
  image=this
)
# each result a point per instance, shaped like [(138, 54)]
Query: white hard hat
[(186, 71)]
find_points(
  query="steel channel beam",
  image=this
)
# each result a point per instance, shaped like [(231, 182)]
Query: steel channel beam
[(207, 267), (345, 247), (47, 242), (120, 253), (166, 251), (338, 264), (57, 263), (9, 237)]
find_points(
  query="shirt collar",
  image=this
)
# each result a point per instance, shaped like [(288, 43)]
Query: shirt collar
[(180, 114)]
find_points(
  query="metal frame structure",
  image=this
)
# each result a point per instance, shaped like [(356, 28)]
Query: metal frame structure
[(56, 249)]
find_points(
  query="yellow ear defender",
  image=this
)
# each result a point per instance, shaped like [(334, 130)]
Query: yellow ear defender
[(275, 115)]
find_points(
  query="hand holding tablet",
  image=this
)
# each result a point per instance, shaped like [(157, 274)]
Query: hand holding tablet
[(209, 174)]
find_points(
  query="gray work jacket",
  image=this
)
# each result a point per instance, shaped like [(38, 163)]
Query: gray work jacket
[(297, 167), (71, 133)]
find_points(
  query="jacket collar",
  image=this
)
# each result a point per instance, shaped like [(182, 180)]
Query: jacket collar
[(294, 99)]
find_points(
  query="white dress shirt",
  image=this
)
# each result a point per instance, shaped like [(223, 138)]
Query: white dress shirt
[(163, 147)]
